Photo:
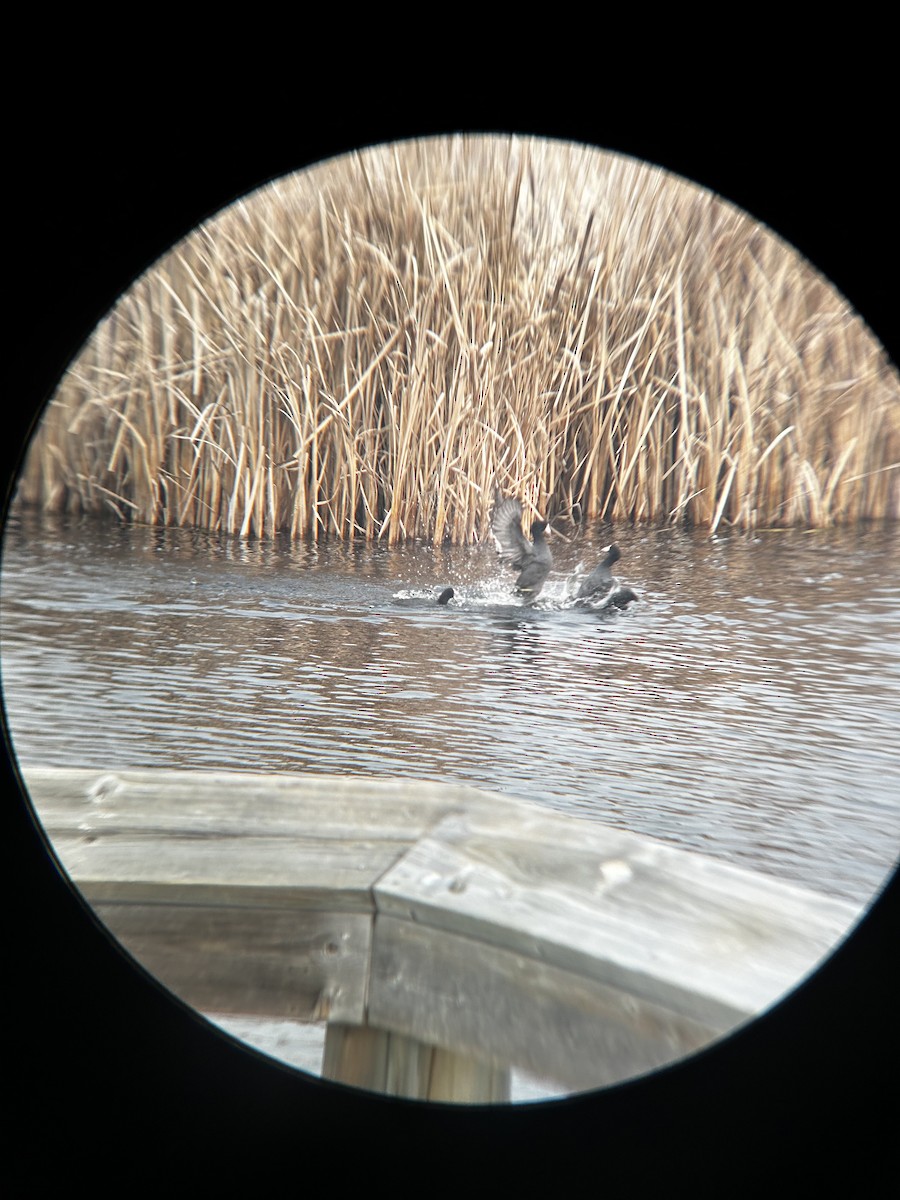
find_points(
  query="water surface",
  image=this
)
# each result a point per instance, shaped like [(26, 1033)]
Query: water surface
[(747, 706)]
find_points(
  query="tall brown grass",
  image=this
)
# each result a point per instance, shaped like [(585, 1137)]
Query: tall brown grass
[(369, 347)]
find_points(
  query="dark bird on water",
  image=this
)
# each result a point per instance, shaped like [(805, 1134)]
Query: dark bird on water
[(601, 579), (621, 597), (532, 559)]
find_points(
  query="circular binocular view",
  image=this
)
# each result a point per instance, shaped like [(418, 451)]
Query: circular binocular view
[(449, 615)]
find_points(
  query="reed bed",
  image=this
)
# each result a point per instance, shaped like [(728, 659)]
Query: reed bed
[(369, 347)]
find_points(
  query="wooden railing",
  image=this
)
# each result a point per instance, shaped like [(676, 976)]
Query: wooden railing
[(445, 934)]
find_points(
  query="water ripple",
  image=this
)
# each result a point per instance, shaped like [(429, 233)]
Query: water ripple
[(747, 706)]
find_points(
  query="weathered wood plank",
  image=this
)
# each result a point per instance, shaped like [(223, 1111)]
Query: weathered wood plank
[(234, 803), (257, 871), (308, 966), (707, 940), (394, 1065), (502, 932), (490, 1003), (216, 832)]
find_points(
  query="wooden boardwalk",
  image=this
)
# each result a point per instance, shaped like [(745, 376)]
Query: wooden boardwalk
[(446, 934)]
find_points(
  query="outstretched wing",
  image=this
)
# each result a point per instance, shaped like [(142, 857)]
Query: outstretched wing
[(506, 527)]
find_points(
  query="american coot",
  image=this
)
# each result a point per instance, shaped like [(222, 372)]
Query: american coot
[(601, 579), (532, 560), (620, 597)]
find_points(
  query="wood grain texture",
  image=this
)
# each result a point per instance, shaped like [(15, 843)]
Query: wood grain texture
[(460, 932), (707, 940), (387, 1062), (235, 802), (308, 966), (493, 1004)]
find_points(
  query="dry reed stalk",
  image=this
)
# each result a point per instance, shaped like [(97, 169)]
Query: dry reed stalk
[(370, 347)]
